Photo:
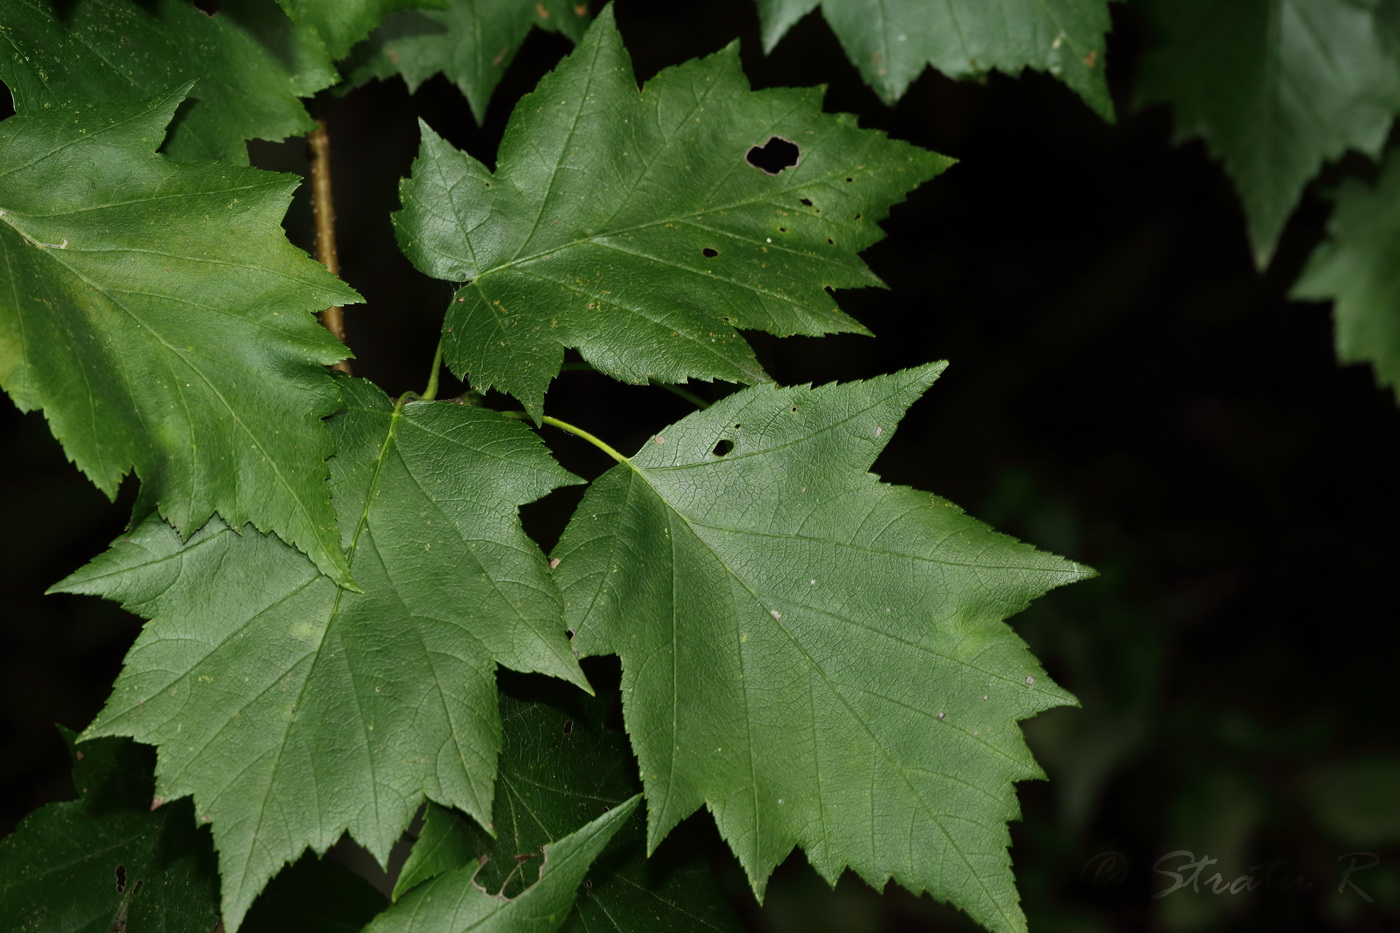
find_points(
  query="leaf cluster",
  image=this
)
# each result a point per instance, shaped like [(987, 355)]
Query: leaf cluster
[(335, 577)]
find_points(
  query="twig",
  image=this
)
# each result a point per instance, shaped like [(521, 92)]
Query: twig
[(323, 207)]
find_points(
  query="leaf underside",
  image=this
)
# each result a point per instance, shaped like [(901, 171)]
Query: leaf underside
[(817, 657), (891, 41), (634, 227), (342, 710), (1275, 88), (157, 314)]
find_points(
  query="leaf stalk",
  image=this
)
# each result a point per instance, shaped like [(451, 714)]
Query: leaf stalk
[(602, 445)]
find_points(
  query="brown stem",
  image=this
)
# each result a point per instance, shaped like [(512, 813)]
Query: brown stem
[(323, 207)]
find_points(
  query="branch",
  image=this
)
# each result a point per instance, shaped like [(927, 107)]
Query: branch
[(323, 207)]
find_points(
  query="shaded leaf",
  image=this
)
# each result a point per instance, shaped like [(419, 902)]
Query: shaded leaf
[(817, 657), (1356, 268), (315, 896), (471, 42), (1275, 88), (294, 710), (891, 41), (634, 227), (561, 766), (454, 902), (342, 23), (157, 314), (249, 65), (109, 861)]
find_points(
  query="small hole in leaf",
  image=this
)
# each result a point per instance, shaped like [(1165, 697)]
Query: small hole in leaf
[(724, 446), (857, 217), (208, 7), (806, 202), (830, 241), (568, 726), (709, 253), (774, 156), (849, 179), (794, 408), (121, 878), (782, 229), (725, 320)]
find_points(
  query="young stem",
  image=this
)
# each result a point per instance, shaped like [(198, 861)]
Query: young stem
[(323, 208), (577, 432), (430, 392)]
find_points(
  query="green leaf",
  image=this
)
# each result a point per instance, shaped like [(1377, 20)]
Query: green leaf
[(342, 23), (816, 656), (249, 65), (294, 710), (472, 42), (1275, 88), (890, 41), (108, 861), (631, 225), (157, 314), (1356, 268), (560, 767), (454, 902)]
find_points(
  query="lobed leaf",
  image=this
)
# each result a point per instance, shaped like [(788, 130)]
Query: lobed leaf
[(634, 226), (1356, 268), (891, 41), (248, 63), (1275, 88), (157, 314), (470, 42), (454, 902), (293, 710), (817, 657)]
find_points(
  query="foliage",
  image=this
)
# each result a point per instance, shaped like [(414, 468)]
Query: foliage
[(1276, 87), (891, 42), (1356, 267), (335, 575)]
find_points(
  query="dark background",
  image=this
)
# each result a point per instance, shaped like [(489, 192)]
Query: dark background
[(1125, 389)]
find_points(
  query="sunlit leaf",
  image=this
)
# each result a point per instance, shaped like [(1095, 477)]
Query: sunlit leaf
[(293, 710), (815, 656), (157, 314)]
